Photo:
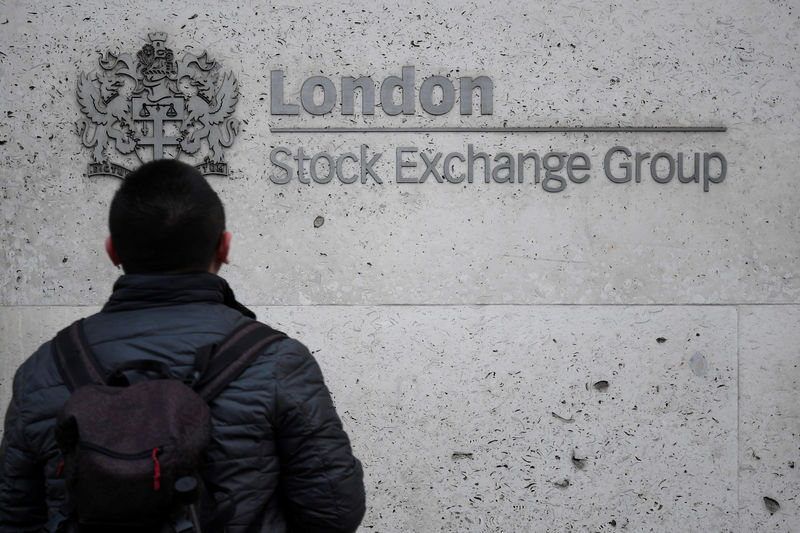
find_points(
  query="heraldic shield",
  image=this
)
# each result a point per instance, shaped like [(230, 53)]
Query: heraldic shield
[(155, 106)]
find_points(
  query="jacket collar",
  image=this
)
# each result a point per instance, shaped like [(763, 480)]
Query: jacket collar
[(140, 291)]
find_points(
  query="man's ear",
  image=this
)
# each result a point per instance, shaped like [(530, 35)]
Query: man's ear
[(112, 253), (224, 248)]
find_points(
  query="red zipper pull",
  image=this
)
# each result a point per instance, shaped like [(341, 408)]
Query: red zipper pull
[(156, 470)]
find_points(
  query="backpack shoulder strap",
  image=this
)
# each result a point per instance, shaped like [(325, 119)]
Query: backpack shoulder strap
[(75, 361), (233, 355)]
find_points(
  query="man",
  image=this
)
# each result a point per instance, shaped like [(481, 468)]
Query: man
[(277, 445)]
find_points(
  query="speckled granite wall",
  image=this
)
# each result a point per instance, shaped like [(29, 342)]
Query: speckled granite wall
[(614, 356)]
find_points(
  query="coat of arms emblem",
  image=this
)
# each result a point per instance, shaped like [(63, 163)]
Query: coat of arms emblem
[(154, 105)]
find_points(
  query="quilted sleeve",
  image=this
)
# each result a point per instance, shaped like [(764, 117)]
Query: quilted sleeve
[(22, 492), (321, 481)]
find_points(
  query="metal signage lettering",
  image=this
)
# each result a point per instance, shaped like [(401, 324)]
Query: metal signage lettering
[(405, 85), (155, 106)]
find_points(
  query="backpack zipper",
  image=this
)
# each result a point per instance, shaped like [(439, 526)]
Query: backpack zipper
[(151, 454), (117, 455)]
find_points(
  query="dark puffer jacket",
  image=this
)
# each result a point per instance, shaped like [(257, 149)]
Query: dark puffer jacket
[(277, 443)]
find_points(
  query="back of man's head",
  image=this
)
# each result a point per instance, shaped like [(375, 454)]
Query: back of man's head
[(166, 218)]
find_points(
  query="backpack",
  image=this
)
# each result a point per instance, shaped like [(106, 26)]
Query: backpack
[(133, 454)]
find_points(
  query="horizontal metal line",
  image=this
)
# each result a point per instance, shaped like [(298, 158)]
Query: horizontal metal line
[(536, 129)]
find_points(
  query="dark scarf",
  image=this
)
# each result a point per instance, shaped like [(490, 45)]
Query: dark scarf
[(135, 291)]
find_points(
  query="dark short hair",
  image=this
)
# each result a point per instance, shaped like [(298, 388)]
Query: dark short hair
[(166, 218)]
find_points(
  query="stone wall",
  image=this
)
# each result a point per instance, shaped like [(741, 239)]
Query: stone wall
[(611, 356)]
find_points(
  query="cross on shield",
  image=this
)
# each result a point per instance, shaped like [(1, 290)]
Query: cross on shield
[(168, 109)]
